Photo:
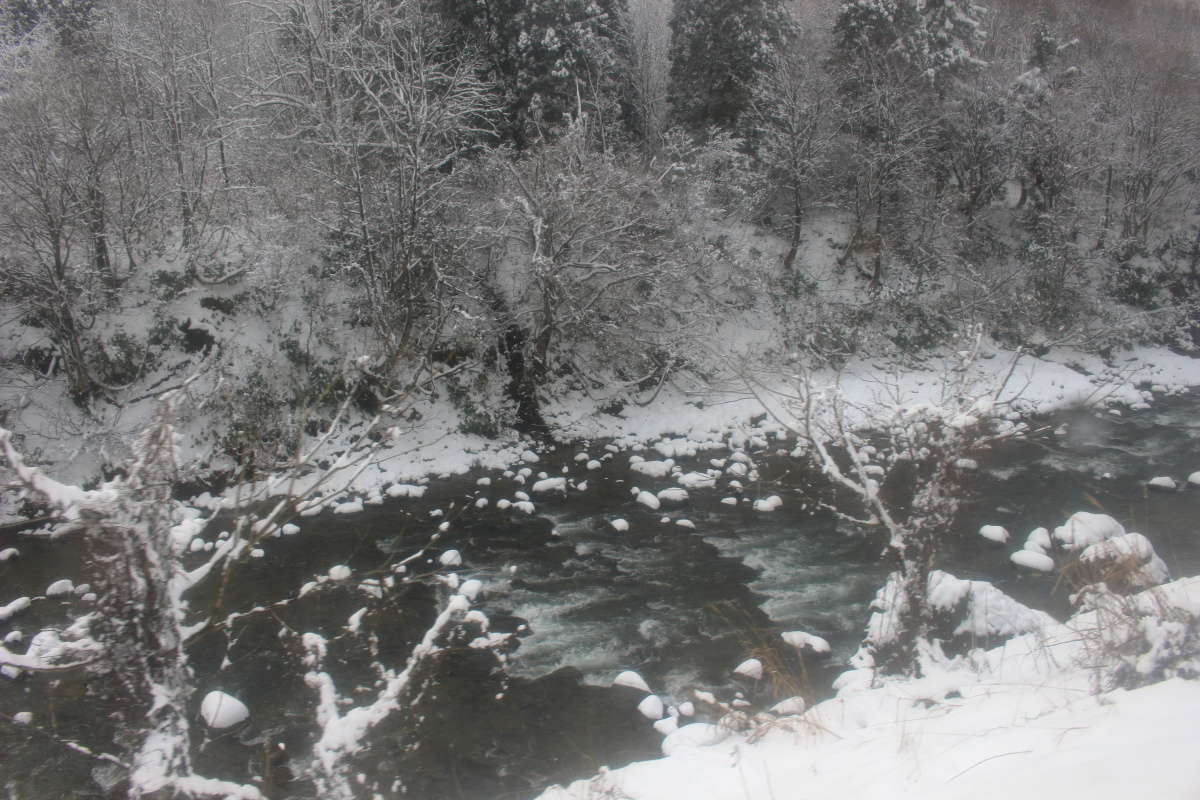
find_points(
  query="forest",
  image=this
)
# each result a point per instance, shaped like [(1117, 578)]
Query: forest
[(378, 196)]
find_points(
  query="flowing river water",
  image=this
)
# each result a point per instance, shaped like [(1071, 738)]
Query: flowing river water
[(681, 604)]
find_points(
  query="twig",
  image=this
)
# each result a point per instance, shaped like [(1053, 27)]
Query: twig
[(989, 758)]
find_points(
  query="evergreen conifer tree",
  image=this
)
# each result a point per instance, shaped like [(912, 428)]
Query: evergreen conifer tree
[(718, 49), (544, 55), (930, 38)]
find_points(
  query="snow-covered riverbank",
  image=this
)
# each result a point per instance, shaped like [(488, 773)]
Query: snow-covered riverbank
[(1021, 720), (687, 417)]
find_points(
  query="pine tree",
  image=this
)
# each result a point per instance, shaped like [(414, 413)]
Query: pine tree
[(929, 38), (66, 17), (546, 56), (718, 50)]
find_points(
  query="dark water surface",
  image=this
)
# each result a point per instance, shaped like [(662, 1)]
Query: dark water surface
[(682, 606)]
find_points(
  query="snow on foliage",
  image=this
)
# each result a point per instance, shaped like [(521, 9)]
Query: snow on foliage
[(963, 612), (1125, 562)]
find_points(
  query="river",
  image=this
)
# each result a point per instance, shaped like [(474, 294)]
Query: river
[(682, 604)]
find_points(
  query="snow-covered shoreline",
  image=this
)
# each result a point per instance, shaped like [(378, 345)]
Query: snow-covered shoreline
[(1021, 719), (685, 418)]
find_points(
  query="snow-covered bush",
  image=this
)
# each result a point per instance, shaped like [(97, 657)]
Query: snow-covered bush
[(963, 615), (1135, 640)]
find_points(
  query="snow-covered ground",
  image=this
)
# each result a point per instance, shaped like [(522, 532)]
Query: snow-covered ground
[(685, 419), (1021, 720)]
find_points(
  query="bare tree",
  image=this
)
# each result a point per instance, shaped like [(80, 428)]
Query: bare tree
[(585, 260), (386, 110), (862, 449), (797, 109), (139, 641), (51, 202)]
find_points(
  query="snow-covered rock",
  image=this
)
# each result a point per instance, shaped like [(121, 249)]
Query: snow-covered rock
[(1084, 528), (550, 485), (695, 480), (60, 587), (651, 707), (995, 533), (768, 503), (750, 668), (339, 573), (674, 495), (1163, 482), (805, 641), (470, 589), (1194, 479), (649, 500), (220, 711), (405, 490), (667, 725), (1031, 560), (450, 558), (619, 525), (22, 718), (653, 469), (9, 553), (15, 607), (1038, 541), (686, 523), (632, 680)]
